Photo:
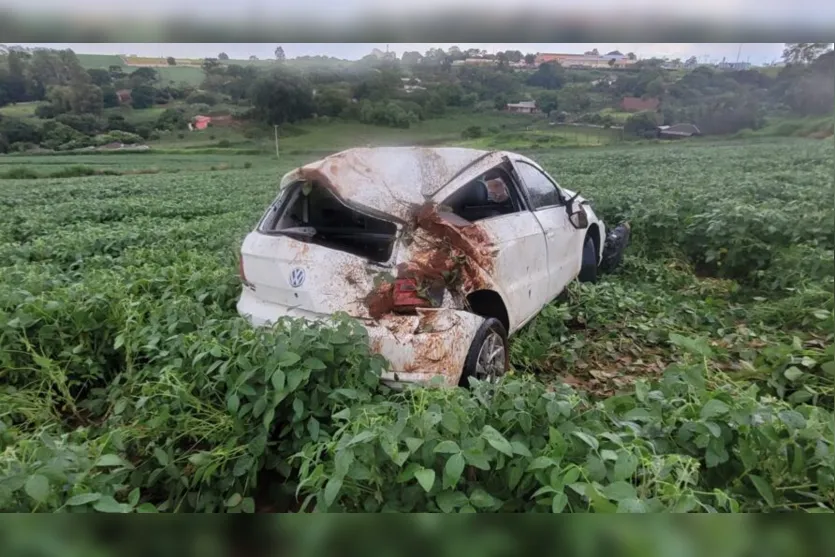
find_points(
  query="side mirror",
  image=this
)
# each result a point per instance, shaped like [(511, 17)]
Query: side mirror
[(579, 219)]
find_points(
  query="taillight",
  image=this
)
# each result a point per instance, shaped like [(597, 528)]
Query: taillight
[(406, 296), (241, 271)]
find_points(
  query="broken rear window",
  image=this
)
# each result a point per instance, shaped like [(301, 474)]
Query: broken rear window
[(309, 212)]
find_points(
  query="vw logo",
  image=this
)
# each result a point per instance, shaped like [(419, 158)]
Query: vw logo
[(297, 276)]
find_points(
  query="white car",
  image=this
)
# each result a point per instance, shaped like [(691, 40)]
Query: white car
[(441, 253)]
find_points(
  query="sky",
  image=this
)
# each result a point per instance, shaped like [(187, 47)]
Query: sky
[(756, 53)]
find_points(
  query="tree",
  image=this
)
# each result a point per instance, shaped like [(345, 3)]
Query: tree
[(279, 54), (804, 53), (86, 98), (142, 96), (547, 101), (281, 97), (331, 102), (530, 59), (109, 98), (143, 76), (99, 77), (549, 75), (642, 124), (574, 98), (691, 62), (223, 56), (253, 57), (411, 58), (16, 130), (612, 63), (513, 55), (171, 61), (631, 56)]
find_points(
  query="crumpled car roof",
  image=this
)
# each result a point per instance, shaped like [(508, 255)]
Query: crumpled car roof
[(388, 179)]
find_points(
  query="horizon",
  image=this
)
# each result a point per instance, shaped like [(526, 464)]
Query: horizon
[(755, 53)]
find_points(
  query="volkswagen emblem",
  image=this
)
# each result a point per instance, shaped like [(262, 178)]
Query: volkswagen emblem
[(297, 276)]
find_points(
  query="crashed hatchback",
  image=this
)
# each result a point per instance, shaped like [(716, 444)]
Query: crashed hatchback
[(441, 253)]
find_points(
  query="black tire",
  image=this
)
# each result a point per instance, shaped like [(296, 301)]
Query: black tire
[(490, 329), (588, 271)]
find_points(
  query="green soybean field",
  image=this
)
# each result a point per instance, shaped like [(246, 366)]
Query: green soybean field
[(698, 377)]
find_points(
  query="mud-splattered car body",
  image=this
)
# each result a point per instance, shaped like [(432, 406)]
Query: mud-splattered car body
[(420, 244)]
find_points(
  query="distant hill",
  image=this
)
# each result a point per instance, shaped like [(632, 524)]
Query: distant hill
[(188, 69)]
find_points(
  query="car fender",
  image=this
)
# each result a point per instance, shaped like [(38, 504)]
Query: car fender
[(433, 343)]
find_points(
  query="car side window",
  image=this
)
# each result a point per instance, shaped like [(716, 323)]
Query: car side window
[(490, 195), (542, 192)]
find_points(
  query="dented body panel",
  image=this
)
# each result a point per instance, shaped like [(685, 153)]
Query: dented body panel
[(525, 256)]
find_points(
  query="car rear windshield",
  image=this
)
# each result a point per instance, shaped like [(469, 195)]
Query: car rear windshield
[(309, 212)]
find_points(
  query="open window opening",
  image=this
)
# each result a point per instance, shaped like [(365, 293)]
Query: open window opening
[(490, 195), (310, 212)]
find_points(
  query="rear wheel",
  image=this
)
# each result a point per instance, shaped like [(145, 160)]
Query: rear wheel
[(487, 359), (588, 271)]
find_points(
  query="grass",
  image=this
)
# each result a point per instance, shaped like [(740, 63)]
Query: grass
[(19, 110), (117, 314), (816, 127)]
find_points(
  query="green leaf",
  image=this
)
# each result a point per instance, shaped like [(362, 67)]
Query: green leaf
[(479, 498), (713, 408), (234, 500), (268, 418), (332, 489), (313, 428), (520, 448), (448, 501), (278, 379), (496, 440), (259, 407), (426, 478), (587, 439), (288, 358), (450, 422), (619, 490), (133, 497), (763, 488), (37, 487), (540, 463), (314, 364), (447, 447), (83, 499), (360, 438), (109, 460), (146, 508), (233, 403), (608, 454), (413, 443), (793, 419), (161, 456), (342, 462), (631, 506), (515, 475), (793, 373), (559, 502), (108, 504), (248, 505), (453, 469), (625, 465)]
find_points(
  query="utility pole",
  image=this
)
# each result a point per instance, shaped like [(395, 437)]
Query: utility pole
[(738, 52), (276, 140)]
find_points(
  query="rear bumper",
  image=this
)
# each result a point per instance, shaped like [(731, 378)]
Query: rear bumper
[(419, 348)]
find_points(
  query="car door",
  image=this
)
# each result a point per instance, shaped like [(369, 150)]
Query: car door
[(564, 243), (519, 271)]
